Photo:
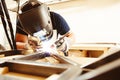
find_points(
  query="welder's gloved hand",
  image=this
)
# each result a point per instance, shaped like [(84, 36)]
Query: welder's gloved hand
[(62, 46), (34, 42)]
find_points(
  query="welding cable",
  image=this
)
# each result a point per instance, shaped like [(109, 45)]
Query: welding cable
[(5, 26), (9, 23)]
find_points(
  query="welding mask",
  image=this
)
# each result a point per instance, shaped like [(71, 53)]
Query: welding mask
[(35, 19)]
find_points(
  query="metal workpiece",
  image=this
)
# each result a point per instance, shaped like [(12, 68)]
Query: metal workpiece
[(71, 73), (11, 54), (33, 68), (104, 60), (109, 71), (20, 55), (27, 65), (41, 55), (37, 69), (34, 56), (106, 68)]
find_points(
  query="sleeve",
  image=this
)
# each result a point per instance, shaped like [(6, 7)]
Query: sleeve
[(59, 23), (19, 28)]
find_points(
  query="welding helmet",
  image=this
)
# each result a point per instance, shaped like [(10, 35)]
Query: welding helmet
[(35, 19)]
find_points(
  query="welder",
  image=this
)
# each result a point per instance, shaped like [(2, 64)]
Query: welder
[(36, 24)]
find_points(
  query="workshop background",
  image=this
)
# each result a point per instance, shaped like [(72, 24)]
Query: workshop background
[(94, 55), (92, 21)]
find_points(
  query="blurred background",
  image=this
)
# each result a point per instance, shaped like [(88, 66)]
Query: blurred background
[(92, 21)]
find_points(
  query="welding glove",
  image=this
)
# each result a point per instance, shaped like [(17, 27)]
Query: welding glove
[(62, 46), (34, 42)]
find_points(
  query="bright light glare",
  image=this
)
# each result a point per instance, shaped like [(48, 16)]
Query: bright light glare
[(49, 47)]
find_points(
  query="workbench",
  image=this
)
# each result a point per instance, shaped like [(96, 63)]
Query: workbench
[(89, 50)]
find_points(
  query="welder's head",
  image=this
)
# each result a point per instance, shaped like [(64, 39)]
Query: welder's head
[(35, 19)]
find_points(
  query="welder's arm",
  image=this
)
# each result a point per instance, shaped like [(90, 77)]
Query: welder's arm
[(27, 42), (21, 41)]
